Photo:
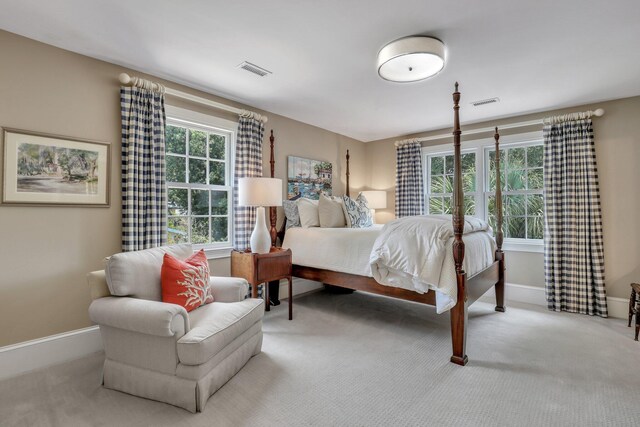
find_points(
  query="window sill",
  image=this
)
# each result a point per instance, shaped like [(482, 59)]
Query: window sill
[(217, 253), (524, 246)]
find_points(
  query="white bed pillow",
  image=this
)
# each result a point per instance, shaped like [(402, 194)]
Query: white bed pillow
[(331, 212), (308, 210), (357, 212)]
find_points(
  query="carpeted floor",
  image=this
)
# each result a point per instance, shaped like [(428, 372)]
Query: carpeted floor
[(363, 360)]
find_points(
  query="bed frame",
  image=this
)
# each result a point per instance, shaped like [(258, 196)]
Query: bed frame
[(469, 288)]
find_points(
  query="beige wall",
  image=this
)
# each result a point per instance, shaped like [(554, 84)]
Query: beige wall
[(617, 139), (45, 252)]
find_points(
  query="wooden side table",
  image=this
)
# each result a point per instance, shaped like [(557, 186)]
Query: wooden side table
[(259, 269), (634, 306)]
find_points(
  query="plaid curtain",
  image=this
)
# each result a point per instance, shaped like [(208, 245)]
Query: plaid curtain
[(409, 194), (573, 249), (248, 164), (144, 194)]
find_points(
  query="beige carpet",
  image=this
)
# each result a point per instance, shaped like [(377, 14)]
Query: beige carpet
[(362, 360)]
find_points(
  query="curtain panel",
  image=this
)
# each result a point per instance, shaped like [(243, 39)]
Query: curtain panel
[(144, 194), (409, 193), (248, 163), (573, 244)]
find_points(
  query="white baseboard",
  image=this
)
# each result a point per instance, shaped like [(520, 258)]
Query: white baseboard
[(618, 307), (29, 355)]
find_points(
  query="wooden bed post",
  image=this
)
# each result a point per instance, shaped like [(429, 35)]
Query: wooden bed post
[(347, 189), (499, 235), (459, 311), (273, 212)]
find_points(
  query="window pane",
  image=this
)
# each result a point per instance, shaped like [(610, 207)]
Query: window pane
[(535, 204), (219, 203), (178, 201), (469, 182), (217, 146), (216, 173), (515, 205), (177, 230), (448, 184), (516, 179), (197, 171), (176, 167), (200, 202), (535, 227), (447, 203), (437, 183), (197, 143), (437, 165), (535, 179), (175, 139), (435, 205), (468, 163), (469, 205), (516, 158), (515, 227), (199, 230), (219, 226), (535, 156), (449, 164)]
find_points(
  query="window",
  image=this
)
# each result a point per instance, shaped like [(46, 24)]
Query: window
[(440, 183), (521, 181), (199, 182), (521, 178)]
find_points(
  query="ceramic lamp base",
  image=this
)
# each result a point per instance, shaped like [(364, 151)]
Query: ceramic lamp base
[(260, 238)]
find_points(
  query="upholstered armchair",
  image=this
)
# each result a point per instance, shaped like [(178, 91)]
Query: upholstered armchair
[(160, 351)]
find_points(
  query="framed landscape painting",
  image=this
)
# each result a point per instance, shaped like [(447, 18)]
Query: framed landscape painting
[(40, 169), (308, 178)]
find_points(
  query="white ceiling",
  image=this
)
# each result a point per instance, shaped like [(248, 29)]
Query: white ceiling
[(533, 55)]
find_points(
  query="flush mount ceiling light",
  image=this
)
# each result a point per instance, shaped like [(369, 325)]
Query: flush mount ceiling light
[(411, 59)]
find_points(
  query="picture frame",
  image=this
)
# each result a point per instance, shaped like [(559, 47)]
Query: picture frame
[(40, 169), (308, 178)]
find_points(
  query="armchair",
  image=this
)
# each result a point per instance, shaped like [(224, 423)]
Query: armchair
[(160, 351)]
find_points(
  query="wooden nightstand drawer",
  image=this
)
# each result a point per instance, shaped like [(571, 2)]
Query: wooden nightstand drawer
[(273, 268)]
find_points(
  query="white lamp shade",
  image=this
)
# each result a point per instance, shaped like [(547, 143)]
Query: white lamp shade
[(377, 199), (260, 192), (411, 59)]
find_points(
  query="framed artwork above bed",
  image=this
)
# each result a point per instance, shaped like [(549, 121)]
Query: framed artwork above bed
[(308, 178)]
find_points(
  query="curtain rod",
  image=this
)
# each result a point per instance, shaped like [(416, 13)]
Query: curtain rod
[(598, 113), (125, 79)]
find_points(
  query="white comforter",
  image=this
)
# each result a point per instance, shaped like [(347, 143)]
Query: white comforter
[(411, 253)]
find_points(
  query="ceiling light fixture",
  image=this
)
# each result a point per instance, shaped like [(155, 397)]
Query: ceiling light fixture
[(411, 59)]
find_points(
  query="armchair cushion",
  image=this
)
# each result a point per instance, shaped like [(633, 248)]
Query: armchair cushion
[(214, 326), (137, 274), (137, 315)]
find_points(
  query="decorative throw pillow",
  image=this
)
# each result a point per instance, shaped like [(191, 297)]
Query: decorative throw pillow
[(357, 212), (331, 212), (291, 213), (308, 210), (186, 283)]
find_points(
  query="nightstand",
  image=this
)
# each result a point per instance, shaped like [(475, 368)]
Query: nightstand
[(259, 269)]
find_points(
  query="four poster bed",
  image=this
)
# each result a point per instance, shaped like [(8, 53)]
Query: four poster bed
[(469, 289)]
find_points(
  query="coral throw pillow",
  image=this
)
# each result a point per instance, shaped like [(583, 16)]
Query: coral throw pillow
[(186, 283)]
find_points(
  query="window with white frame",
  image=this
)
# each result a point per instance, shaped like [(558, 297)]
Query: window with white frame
[(521, 181), (199, 181)]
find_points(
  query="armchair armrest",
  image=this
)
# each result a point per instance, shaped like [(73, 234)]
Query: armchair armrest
[(228, 289), (138, 315)]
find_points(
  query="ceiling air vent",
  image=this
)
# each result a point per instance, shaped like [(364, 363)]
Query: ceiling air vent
[(253, 68), (485, 102)]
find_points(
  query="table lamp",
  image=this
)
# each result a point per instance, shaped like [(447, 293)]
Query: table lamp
[(376, 199), (260, 192)]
